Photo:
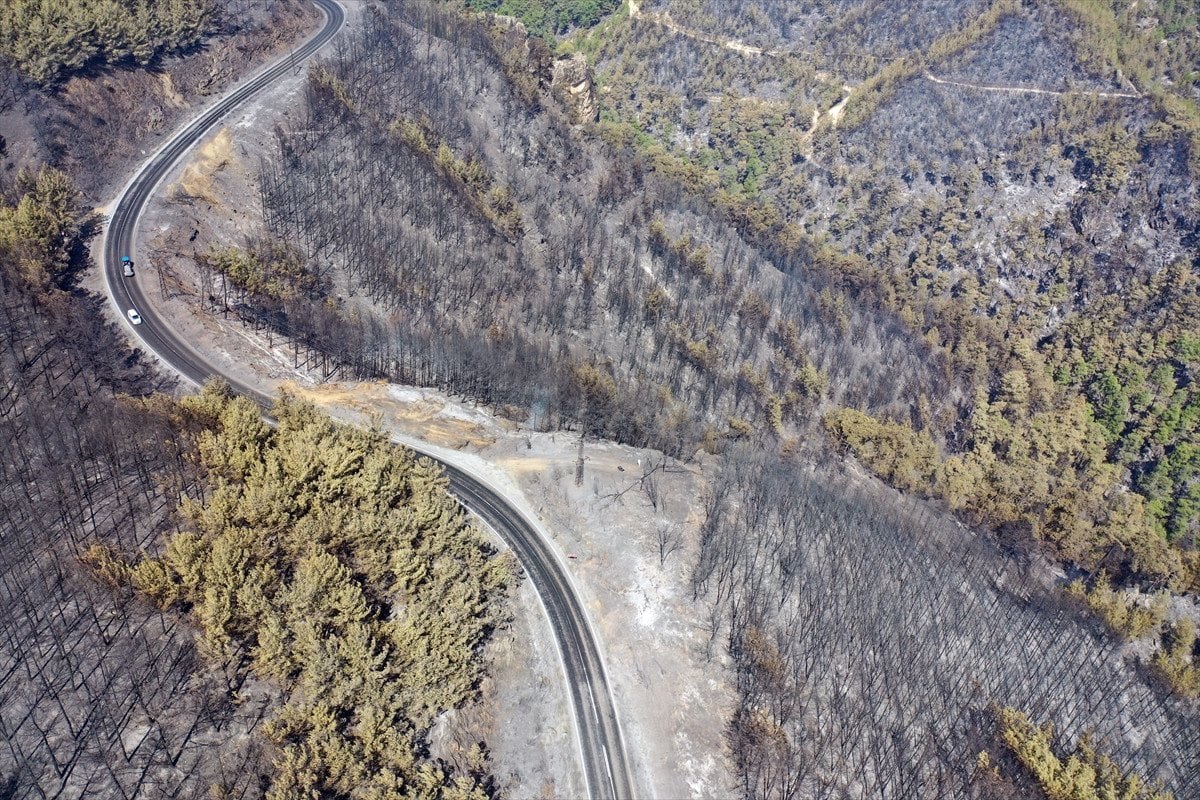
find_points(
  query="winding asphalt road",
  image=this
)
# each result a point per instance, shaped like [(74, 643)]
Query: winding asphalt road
[(599, 734)]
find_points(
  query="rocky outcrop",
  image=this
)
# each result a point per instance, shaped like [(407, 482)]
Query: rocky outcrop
[(572, 83)]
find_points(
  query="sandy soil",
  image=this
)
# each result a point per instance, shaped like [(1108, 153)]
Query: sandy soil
[(672, 689)]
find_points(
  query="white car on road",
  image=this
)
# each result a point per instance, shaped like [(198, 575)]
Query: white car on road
[(134, 316)]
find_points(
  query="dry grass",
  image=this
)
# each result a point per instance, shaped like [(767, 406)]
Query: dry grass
[(422, 418), (170, 92), (196, 183)]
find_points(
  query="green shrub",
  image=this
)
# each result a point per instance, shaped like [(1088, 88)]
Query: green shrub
[(906, 459), (1123, 614), (1085, 774), (1176, 662), (47, 40)]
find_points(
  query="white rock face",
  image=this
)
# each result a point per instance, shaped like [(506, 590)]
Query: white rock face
[(572, 81)]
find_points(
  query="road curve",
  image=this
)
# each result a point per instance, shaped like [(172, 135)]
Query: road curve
[(599, 734)]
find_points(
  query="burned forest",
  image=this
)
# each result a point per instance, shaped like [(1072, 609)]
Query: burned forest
[(875, 638), (473, 243), (198, 604), (462, 223), (905, 294), (100, 695), (124, 672)]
